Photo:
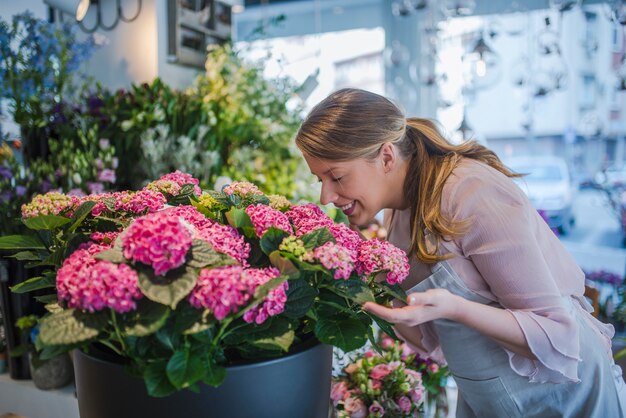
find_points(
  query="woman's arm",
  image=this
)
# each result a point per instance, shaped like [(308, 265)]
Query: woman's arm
[(496, 323)]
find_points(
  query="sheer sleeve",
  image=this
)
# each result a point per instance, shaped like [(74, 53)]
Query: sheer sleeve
[(503, 242)]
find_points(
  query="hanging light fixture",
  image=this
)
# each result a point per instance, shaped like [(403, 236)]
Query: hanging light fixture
[(80, 8), (484, 64)]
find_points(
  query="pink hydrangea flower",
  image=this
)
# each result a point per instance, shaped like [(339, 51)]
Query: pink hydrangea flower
[(157, 240), (191, 215), (307, 218), (104, 237), (181, 179), (242, 188), (346, 237), (141, 202), (226, 240), (334, 257), (274, 302), (377, 256), (89, 284), (221, 290), (264, 217)]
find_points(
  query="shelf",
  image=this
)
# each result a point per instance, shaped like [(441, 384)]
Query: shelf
[(21, 397)]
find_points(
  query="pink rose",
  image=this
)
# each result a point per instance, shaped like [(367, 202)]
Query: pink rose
[(404, 404), (416, 395), (376, 409), (387, 343), (377, 384), (380, 371), (337, 391), (433, 367), (355, 408), (369, 354)]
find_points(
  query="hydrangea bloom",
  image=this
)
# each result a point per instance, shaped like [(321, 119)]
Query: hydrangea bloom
[(273, 303), (165, 187), (208, 201), (334, 257), (375, 255), (158, 240), (190, 214), (345, 236), (104, 237), (143, 201), (279, 202), (51, 203), (181, 179), (220, 290), (225, 239), (307, 218), (264, 217), (242, 188), (92, 285)]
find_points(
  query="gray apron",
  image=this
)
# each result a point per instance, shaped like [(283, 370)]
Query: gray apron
[(488, 386)]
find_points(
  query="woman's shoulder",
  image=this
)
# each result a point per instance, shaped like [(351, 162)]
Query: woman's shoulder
[(478, 181)]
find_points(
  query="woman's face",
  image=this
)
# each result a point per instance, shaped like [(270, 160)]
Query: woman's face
[(359, 187)]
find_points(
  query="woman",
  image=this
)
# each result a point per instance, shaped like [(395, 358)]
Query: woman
[(491, 289)]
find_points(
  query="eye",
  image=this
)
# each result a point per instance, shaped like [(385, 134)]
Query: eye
[(337, 179)]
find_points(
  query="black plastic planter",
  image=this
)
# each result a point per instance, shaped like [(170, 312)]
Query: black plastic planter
[(295, 386)]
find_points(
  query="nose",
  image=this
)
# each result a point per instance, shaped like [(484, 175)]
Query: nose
[(327, 194)]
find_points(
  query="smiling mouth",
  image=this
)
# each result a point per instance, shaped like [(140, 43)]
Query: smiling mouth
[(347, 207)]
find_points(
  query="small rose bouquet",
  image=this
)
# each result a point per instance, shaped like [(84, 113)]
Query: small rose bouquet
[(380, 384), (182, 283)]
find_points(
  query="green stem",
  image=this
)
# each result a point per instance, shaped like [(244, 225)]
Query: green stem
[(117, 330), (112, 347)]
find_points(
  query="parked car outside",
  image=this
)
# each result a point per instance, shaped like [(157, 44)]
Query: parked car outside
[(548, 184)]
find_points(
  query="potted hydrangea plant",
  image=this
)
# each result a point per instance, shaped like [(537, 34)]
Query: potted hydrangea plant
[(185, 287)]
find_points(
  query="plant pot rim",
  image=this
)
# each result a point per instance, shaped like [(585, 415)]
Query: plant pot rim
[(97, 354)]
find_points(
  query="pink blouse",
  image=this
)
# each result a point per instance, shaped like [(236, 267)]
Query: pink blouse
[(510, 256)]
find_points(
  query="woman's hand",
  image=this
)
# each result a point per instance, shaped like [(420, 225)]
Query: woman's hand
[(422, 307)]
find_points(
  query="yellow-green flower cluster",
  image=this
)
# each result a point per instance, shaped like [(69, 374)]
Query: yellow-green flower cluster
[(165, 187), (294, 246), (279, 202), (51, 203), (209, 202)]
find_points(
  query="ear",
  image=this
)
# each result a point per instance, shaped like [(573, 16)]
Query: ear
[(389, 156)]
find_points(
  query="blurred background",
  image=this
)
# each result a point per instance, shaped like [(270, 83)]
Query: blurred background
[(128, 90)]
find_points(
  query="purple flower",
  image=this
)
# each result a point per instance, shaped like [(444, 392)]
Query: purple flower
[(5, 172), (107, 175), (95, 188), (20, 190)]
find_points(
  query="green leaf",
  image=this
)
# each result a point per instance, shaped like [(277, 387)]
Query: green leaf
[(146, 320), (317, 238), (347, 334), (204, 255), (45, 222), (238, 218), (300, 298), (157, 383), (284, 264), (356, 290), (45, 299), (113, 255), (36, 283), (71, 326), (261, 291), (282, 342), (214, 374), (80, 214), (21, 242), (184, 369), (272, 239), (394, 291), (26, 256), (169, 289)]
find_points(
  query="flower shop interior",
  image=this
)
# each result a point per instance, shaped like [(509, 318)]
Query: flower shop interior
[(179, 115)]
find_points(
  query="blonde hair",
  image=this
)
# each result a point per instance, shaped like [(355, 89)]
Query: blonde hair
[(353, 123)]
